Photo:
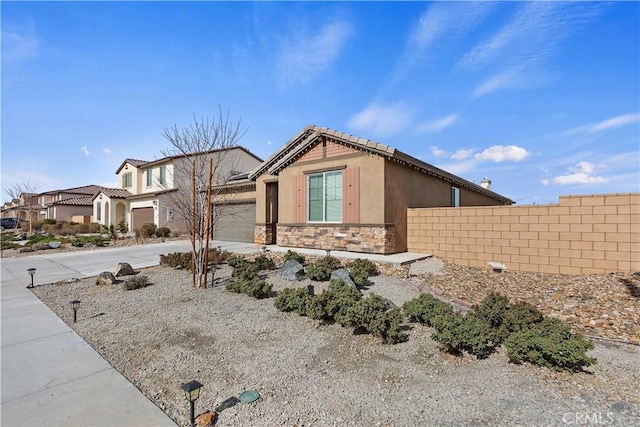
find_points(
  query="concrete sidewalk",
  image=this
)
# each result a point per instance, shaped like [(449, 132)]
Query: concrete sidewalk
[(50, 376)]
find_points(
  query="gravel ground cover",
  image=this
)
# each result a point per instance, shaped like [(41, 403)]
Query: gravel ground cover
[(310, 374)]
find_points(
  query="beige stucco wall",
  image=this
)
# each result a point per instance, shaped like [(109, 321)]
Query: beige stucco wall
[(406, 187), (579, 235), (66, 213), (371, 186)]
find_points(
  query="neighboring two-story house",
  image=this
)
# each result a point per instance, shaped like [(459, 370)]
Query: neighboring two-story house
[(70, 204), (148, 189)]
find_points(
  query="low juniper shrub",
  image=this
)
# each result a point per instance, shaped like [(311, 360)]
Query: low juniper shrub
[(148, 229), (322, 268), (236, 260), (361, 270), (163, 232), (263, 262), (372, 315), (293, 299), (457, 333), (550, 343), (425, 308), (136, 282), (177, 260), (295, 256), (247, 281)]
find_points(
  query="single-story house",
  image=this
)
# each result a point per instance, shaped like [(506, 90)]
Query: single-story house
[(326, 189)]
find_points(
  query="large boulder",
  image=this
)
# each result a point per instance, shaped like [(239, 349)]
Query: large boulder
[(343, 274), (55, 244), (124, 269), (105, 278), (292, 270)]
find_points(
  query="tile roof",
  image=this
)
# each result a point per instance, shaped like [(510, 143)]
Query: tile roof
[(134, 162), (76, 201), (85, 189), (114, 193), (310, 134)]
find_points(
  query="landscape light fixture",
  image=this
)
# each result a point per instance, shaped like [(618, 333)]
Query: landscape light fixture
[(75, 304), (32, 272), (191, 393)]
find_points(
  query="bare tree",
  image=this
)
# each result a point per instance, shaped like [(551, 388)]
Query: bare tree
[(202, 163), (26, 192)]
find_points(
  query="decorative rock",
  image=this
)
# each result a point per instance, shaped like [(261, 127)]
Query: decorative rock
[(124, 269), (206, 419), (25, 250), (292, 270), (497, 267), (54, 244), (343, 274), (105, 278)]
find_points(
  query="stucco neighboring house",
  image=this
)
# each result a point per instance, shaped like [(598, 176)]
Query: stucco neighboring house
[(330, 190), (69, 204), (148, 189), (25, 207)]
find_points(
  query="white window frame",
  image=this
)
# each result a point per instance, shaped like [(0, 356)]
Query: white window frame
[(98, 211), (455, 196), (324, 198), (124, 180)]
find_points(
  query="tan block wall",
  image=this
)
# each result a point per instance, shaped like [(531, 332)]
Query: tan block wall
[(588, 234)]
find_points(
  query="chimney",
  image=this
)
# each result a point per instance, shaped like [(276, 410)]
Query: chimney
[(485, 183)]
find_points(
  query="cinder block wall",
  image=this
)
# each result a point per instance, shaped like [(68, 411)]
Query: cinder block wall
[(579, 235)]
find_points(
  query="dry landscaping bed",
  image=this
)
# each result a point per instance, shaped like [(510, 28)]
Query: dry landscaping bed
[(166, 334)]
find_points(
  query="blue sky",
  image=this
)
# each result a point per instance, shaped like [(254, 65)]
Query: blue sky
[(541, 97)]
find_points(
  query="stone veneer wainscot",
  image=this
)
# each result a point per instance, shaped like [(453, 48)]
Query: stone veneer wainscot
[(372, 238)]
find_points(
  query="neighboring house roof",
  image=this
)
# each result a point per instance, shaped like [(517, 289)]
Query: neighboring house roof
[(308, 137), (134, 162), (138, 163), (85, 189), (76, 201), (113, 193)]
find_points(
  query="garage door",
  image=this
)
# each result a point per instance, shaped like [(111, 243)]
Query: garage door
[(236, 223), (140, 216)]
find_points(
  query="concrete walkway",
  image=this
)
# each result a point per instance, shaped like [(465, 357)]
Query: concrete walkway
[(50, 376)]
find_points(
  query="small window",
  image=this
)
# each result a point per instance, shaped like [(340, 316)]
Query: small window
[(126, 180), (325, 197), (163, 174), (98, 211), (455, 197), (149, 177)]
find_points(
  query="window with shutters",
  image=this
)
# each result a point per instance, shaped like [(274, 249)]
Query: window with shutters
[(324, 192)]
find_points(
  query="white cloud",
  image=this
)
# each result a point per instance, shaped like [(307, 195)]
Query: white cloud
[(19, 44), (305, 56), (502, 153), (462, 154), (436, 152), (506, 80), (382, 120), (582, 173), (106, 150), (269, 142), (85, 150), (438, 125), (612, 123)]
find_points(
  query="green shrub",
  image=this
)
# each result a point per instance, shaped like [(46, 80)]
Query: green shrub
[(504, 318), (263, 262), (177, 260), (459, 333), (136, 282), (163, 232), (550, 343), (122, 227), (321, 269), (218, 256), (360, 270), (39, 238), (247, 282), (334, 303), (295, 256), (293, 299), (148, 229), (77, 243), (425, 308), (372, 315), (94, 227), (236, 261)]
